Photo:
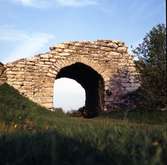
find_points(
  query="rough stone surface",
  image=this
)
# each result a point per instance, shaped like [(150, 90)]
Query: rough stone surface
[(103, 67), (2, 74)]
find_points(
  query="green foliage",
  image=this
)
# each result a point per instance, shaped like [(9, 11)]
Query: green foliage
[(138, 116), (113, 145), (13, 107), (152, 65), (44, 137)]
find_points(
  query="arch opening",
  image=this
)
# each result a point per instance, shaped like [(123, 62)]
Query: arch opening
[(68, 94), (91, 81)]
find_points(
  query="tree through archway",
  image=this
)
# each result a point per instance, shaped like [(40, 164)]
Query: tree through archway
[(91, 81)]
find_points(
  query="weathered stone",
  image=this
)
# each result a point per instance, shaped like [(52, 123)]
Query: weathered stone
[(106, 48), (104, 66), (61, 46), (113, 54), (122, 49), (64, 54), (112, 45), (2, 74)]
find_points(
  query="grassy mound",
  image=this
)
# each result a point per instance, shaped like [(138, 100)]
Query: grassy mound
[(30, 134)]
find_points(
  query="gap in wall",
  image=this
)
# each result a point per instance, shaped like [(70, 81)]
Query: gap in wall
[(68, 94)]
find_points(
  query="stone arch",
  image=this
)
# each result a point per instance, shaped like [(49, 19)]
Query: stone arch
[(91, 81), (61, 63), (34, 77)]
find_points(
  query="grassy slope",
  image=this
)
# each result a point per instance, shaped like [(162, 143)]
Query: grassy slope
[(32, 135)]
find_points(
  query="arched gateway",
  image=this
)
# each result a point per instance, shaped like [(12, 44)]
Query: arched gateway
[(104, 69)]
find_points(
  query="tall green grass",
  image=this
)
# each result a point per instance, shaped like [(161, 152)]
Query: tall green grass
[(30, 134)]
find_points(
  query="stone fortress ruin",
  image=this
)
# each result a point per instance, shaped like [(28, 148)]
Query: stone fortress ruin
[(103, 68)]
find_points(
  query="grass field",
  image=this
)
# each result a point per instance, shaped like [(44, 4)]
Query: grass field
[(29, 134)]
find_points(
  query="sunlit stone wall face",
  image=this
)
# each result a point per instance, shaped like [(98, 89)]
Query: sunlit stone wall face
[(108, 59), (2, 74)]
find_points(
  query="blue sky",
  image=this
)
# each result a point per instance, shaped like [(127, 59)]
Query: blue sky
[(28, 27), (31, 26)]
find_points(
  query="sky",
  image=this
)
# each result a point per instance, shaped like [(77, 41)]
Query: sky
[(74, 98), (29, 27)]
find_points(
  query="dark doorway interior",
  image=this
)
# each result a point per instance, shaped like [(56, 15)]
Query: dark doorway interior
[(91, 81)]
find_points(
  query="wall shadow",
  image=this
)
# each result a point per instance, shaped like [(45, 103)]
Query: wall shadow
[(121, 90), (48, 148)]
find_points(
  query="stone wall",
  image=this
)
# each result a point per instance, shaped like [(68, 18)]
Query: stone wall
[(2, 74), (34, 77)]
